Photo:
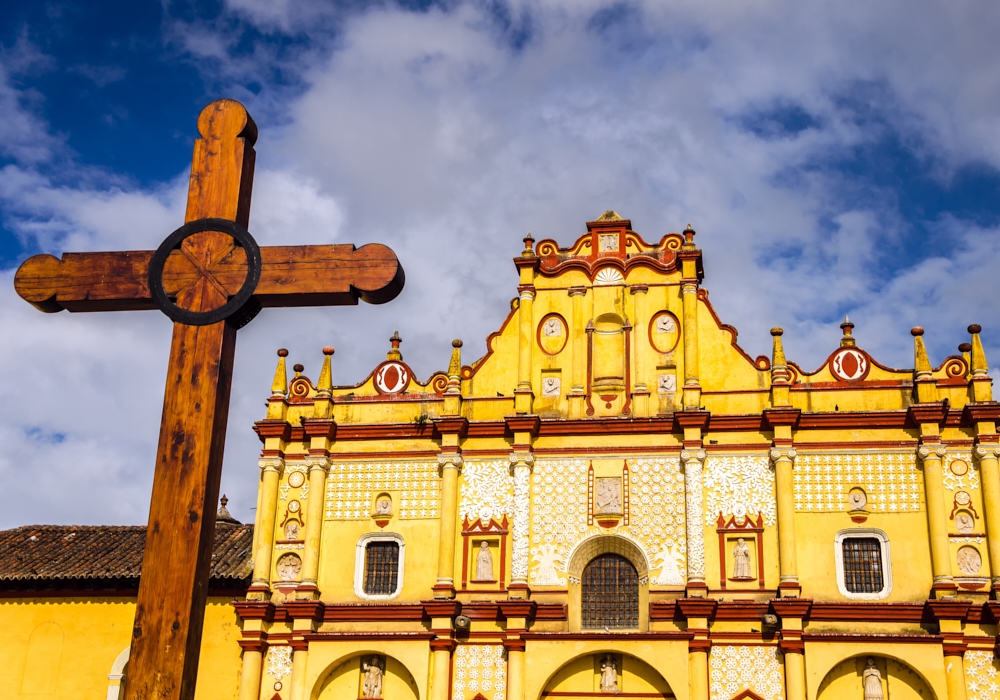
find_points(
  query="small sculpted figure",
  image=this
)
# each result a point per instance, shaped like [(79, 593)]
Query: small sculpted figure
[(609, 675), (741, 557), (872, 680), (383, 506), (292, 530), (373, 678), (484, 563)]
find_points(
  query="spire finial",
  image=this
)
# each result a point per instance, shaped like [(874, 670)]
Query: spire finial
[(325, 383), (394, 353), (779, 366), (528, 242), (689, 237), (848, 340), (223, 514), (279, 387), (980, 368)]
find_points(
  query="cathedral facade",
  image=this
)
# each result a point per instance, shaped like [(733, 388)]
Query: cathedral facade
[(617, 500)]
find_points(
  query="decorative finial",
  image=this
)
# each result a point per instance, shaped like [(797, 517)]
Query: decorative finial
[(528, 242), (394, 353), (610, 215), (456, 343), (776, 331), (298, 369), (779, 366), (979, 366), (455, 370), (689, 237), (917, 331), (921, 362), (848, 340), (965, 348), (325, 384), (279, 386), (223, 514)]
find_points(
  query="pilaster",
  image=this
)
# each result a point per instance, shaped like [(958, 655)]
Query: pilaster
[(578, 342), (271, 468), (640, 387)]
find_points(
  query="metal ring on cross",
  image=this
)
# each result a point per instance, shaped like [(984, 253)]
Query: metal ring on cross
[(240, 308)]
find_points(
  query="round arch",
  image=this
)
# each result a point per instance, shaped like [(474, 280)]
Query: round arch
[(117, 675), (343, 677), (581, 674), (604, 544), (845, 678)]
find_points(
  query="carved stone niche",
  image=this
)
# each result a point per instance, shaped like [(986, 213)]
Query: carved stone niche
[(474, 556), (608, 493), (741, 550)]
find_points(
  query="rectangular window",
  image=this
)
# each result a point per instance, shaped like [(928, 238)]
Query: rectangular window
[(863, 565), (381, 567)]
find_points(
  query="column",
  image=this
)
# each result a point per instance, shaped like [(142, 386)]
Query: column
[(989, 474), (931, 456), (782, 459), (300, 655), (515, 669), (795, 675), (694, 516), (450, 463), (526, 341), (314, 520), (578, 365), (692, 387), (521, 464), (251, 672), (954, 672), (698, 668), (640, 333), (441, 649), (272, 468)]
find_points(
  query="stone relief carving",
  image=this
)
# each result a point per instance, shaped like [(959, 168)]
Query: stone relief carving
[(551, 386), (739, 481), (279, 662), (665, 324), (292, 530), (383, 506), (486, 491), (965, 523), (372, 684), (960, 472), (552, 327), (480, 668), (609, 675), (666, 383), (559, 517), (891, 481), (289, 567), (607, 495), (970, 561), (733, 669), (351, 487), (982, 679), (607, 243)]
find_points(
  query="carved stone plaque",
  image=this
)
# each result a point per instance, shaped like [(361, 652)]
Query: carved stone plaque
[(608, 243), (551, 386), (666, 383), (607, 495)]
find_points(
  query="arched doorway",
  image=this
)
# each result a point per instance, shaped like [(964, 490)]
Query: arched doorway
[(898, 680), (347, 677), (585, 676)]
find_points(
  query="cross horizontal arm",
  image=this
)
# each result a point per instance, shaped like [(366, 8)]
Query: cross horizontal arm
[(321, 275)]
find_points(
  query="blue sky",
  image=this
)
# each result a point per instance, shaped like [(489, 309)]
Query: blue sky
[(835, 158)]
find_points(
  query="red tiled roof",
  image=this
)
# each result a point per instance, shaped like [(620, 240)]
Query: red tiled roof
[(58, 552)]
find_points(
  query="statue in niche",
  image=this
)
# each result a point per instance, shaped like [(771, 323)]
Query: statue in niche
[(741, 560), (609, 675), (292, 530), (608, 495), (484, 563), (965, 523), (383, 506), (665, 324), (872, 681), (372, 687), (552, 327), (666, 383)]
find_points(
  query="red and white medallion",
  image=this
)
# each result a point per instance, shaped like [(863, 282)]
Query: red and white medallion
[(849, 364), (392, 377)]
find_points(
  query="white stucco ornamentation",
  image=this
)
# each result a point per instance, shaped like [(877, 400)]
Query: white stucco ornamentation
[(479, 668), (521, 466), (982, 679), (352, 486), (693, 513), (960, 472), (732, 482), (891, 480), (656, 521), (486, 491), (558, 517), (279, 662), (733, 669)]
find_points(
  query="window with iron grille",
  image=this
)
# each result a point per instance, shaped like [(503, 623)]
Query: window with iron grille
[(862, 563), (381, 567), (610, 593)]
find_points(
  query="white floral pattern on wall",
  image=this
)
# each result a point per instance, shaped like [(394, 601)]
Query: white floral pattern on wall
[(981, 676), (352, 486), (732, 482), (486, 491), (732, 669), (891, 481), (480, 668)]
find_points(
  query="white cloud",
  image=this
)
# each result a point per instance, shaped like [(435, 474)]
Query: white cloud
[(427, 131)]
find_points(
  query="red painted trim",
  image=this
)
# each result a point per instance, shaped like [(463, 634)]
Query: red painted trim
[(652, 324), (538, 334)]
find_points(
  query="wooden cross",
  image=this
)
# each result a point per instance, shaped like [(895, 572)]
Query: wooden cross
[(210, 278)]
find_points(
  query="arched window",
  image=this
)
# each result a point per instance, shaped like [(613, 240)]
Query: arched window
[(610, 594)]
